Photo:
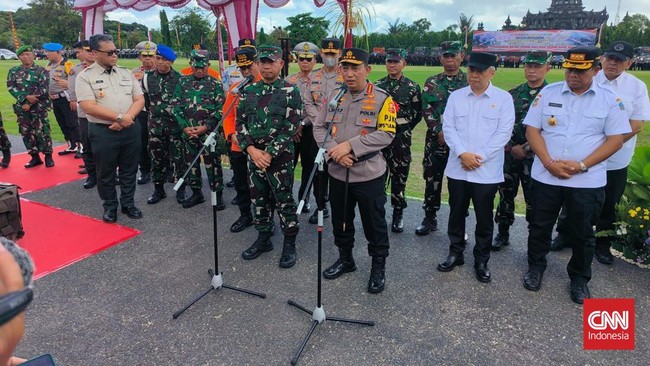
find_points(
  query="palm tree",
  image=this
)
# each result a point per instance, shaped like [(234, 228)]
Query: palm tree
[(351, 16)]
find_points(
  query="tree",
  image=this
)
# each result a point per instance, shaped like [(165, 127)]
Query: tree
[(420, 26), (193, 27), (49, 21), (274, 37), (464, 21), (262, 38), (304, 27), (164, 28)]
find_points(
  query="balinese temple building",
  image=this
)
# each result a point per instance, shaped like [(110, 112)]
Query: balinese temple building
[(565, 14)]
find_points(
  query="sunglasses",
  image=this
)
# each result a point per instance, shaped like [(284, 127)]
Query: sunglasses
[(108, 53), (308, 59)]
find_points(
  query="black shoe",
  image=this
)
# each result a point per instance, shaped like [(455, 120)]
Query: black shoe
[(77, 155), (132, 212), (220, 206), (288, 257), (194, 199), (91, 181), (36, 160), (451, 262), (82, 171), (533, 280), (261, 245), (429, 224), (338, 268), (6, 158), (558, 243), (501, 240), (235, 201), (49, 162), (313, 219), (377, 280), (180, 194), (242, 223), (110, 215), (82, 166), (397, 226), (604, 256), (230, 183), (306, 208), (482, 272), (69, 150), (157, 196), (144, 178), (579, 292)]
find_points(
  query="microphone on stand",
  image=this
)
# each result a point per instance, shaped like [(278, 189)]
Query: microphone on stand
[(242, 84), (335, 101)]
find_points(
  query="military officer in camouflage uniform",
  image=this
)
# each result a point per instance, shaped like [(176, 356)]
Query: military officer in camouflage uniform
[(434, 99), (166, 146), (28, 83), (268, 116), (518, 154), (146, 55), (59, 69), (364, 123), (5, 146), (408, 96), (198, 102), (305, 144), (322, 83)]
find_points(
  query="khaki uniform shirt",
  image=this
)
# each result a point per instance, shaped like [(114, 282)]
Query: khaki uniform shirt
[(58, 70), (368, 121), (114, 90), (72, 89), (302, 83), (318, 91)]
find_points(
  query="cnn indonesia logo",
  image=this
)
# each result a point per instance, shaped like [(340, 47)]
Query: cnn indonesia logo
[(608, 324)]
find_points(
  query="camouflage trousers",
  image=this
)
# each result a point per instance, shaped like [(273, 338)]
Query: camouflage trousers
[(5, 144), (514, 172), (398, 159), (273, 190), (167, 151), (211, 161), (434, 163), (34, 127)]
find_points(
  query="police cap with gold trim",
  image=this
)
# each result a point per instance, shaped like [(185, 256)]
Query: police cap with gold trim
[(581, 58), (247, 42), (355, 56), (330, 45), (245, 56), (146, 48), (306, 50)]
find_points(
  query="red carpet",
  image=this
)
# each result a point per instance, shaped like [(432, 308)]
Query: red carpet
[(37, 178), (56, 238)]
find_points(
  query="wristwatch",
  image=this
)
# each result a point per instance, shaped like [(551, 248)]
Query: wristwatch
[(119, 117), (527, 148), (583, 168)]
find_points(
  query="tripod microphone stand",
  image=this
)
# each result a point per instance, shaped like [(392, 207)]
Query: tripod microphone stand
[(216, 276), (318, 314)]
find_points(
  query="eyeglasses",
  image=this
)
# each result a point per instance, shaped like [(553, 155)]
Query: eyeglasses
[(308, 59), (110, 53)]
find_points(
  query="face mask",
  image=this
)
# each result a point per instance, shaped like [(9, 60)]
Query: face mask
[(329, 61)]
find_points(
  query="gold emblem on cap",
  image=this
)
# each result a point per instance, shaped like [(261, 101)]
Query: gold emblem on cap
[(349, 54), (147, 46), (305, 47), (247, 41), (242, 58), (577, 57), (330, 45)]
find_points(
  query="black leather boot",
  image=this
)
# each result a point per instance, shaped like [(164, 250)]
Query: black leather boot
[(244, 221), (180, 194), (377, 280), (158, 194), (288, 258), (429, 224), (344, 264), (49, 162), (36, 160), (397, 226), (6, 158), (194, 199), (502, 238), (261, 245)]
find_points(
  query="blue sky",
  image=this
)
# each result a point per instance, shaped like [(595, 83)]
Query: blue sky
[(441, 13)]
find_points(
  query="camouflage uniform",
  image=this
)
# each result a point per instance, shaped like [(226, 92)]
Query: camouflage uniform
[(267, 118), (434, 99), (406, 93), (515, 171), (165, 134), (5, 144), (34, 124), (198, 102)]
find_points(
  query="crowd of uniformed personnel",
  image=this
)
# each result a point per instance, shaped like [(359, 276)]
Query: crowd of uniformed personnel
[(476, 135)]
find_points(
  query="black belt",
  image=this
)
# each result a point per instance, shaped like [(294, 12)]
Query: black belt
[(101, 124), (367, 156)]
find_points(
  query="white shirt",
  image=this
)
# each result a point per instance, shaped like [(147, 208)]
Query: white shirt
[(573, 126), (231, 75), (480, 124), (634, 94)]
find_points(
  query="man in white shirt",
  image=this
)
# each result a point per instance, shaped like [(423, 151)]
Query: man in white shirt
[(477, 124), (573, 126)]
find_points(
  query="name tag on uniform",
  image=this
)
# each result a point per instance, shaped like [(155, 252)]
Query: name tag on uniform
[(557, 105)]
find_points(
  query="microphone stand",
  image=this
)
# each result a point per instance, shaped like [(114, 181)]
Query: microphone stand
[(215, 275), (318, 314)]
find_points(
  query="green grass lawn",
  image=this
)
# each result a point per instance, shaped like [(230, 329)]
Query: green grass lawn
[(504, 78)]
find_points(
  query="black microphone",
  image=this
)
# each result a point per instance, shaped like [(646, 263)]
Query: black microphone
[(242, 84), (335, 101)]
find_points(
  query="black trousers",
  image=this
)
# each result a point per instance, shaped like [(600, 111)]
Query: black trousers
[(371, 198), (616, 181), (583, 207), (116, 150), (145, 159), (87, 153), (482, 196), (239, 166), (308, 149), (67, 120)]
